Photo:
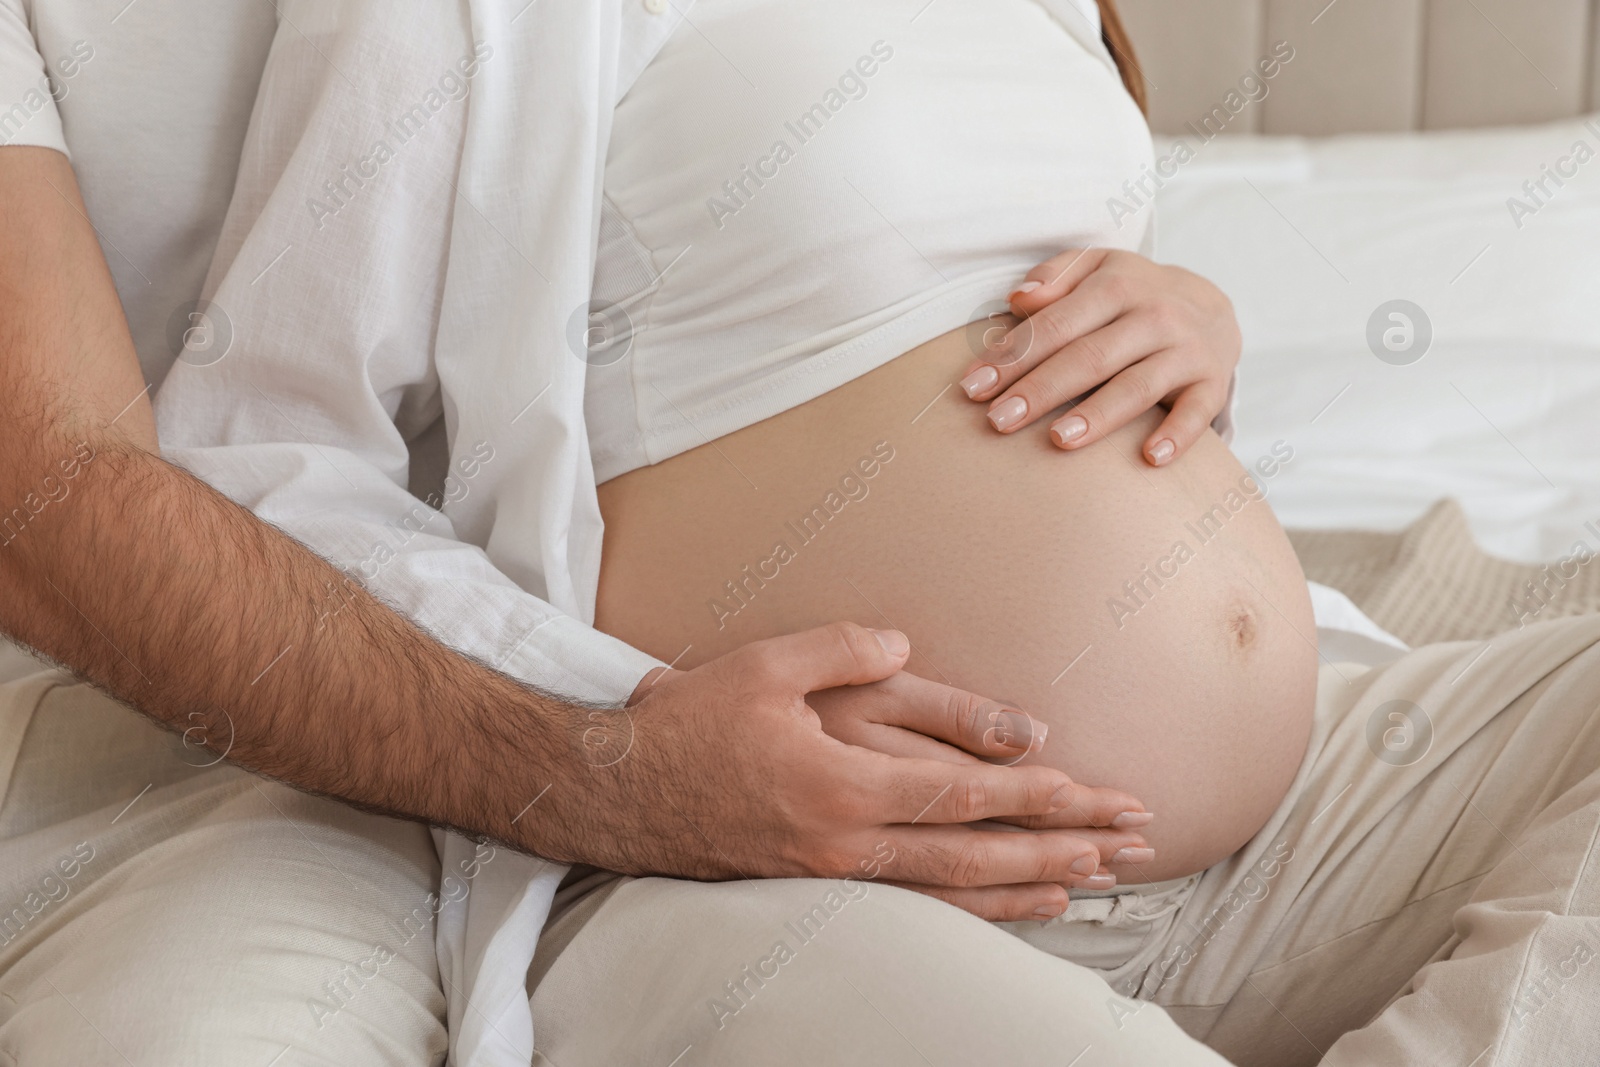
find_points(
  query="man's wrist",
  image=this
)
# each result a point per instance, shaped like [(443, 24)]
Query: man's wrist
[(652, 677), (506, 748)]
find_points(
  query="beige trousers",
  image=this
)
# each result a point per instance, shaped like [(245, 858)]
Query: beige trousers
[(1427, 893), (153, 911)]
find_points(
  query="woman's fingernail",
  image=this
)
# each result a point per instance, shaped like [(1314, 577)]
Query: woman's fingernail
[(980, 381), (1046, 912), (1069, 429), (1008, 413), (1025, 288), (1134, 855), (1162, 451), (1132, 820), (893, 641), (1099, 881)]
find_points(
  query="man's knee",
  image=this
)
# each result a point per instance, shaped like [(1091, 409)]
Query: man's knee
[(267, 925)]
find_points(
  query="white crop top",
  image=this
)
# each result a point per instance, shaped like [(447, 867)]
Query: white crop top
[(797, 193)]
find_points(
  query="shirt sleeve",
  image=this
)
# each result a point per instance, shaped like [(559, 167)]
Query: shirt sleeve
[(28, 114), (311, 368)]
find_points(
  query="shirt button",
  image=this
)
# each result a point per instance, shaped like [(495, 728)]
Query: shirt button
[(655, 7)]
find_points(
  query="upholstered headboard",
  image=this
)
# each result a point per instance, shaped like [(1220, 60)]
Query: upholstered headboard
[(1366, 64)]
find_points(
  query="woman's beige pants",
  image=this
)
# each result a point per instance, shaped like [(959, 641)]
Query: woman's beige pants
[(1427, 894)]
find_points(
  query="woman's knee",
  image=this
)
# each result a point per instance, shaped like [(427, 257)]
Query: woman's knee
[(786, 971)]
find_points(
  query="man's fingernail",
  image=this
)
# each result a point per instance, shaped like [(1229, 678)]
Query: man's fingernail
[(1084, 866), (1134, 855), (1046, 912), (1025, 288), (893, 641), (1069, 429), (1132, 820), (1162, 451), (1008, 413), (981, 380), (1013, 728)]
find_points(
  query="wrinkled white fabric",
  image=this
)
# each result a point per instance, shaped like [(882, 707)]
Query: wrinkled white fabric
[(153, 132)]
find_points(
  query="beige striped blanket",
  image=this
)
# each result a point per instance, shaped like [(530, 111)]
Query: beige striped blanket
[(1431, 582)]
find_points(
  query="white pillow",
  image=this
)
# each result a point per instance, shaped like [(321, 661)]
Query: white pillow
[(1311, 237)]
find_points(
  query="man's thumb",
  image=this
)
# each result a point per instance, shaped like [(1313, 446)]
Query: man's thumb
[(841, 653)]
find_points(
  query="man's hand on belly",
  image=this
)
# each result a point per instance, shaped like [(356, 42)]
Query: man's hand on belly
[(726, 771)]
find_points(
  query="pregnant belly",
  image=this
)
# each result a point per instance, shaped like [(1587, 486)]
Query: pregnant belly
[(1157, 620)]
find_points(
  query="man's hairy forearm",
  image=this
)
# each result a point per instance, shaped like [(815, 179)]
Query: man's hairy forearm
[(166, 594), (172, 598)]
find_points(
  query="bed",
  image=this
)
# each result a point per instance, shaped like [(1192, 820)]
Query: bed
[(1486, 232)]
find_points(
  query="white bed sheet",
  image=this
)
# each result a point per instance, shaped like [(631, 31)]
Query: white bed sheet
[(1310, 237)]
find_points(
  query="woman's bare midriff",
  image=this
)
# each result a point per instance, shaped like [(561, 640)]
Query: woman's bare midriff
[(1156, 619)]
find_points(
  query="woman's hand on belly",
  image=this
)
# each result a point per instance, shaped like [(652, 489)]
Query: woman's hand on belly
[(1136, 332)]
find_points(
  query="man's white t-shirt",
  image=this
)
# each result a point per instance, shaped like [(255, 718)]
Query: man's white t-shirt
[(154, 97)]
